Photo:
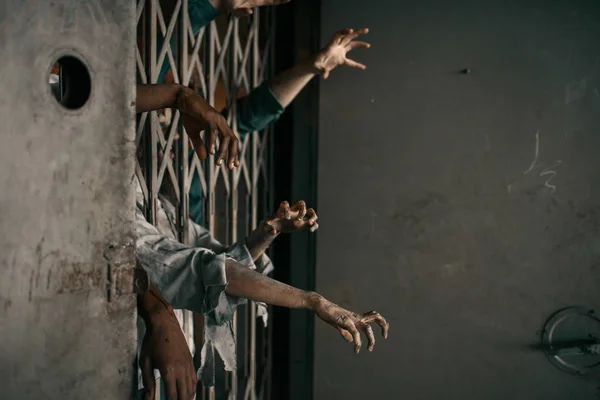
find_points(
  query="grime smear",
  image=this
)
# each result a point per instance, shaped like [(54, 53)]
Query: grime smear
[(575, 91)]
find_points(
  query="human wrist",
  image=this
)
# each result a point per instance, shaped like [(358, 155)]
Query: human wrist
[(262, 236), (313, 300), (151, 309), (312, 64), (182, 93)]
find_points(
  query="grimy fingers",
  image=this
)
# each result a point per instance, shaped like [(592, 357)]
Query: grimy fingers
[(234, 144), (284, 210), (378, 318), (300, 208), (345, 334), (349, 326), (311, 215), (366, 328), (223, 147)]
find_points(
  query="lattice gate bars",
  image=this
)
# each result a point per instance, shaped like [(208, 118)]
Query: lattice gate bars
[(225, 59)]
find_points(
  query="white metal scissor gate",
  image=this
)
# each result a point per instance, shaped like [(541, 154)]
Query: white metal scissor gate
[(226, 58)]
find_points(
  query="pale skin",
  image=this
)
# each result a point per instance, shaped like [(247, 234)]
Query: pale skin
[(199, 116), (289, 83), (172, 355)]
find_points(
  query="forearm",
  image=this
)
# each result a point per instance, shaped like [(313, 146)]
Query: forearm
[(156, 97), (289, 83), (260, 239), (243, 282)]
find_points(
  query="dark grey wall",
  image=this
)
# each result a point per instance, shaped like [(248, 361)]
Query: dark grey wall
[(430, 211)]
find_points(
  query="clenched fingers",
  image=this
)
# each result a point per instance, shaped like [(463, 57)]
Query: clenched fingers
[(379, 319), (212, 140), (284, 210), (366, 328), (349, 326), (300, 208), (229, 146), (345, 334), (312, 217)]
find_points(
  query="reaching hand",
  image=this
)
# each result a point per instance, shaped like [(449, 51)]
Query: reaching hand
[(289, 219), (335, 52), (197, 116), (164, 348), (350, 324)]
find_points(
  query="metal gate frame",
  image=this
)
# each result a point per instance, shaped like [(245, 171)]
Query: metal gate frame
[(227, 51)]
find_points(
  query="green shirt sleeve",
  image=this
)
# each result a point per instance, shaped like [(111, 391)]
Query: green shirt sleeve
[(257, 110), (201, 12)]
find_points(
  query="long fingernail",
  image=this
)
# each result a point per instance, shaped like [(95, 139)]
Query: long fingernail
[(212, 150)]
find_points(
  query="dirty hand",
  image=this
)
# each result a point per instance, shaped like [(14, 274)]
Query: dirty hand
[(289, 219), (334, 53), (350, 324), (242, 8), (164, 348), (197, 116)]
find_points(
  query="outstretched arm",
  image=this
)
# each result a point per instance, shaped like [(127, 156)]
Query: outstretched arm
[(243, 282), (265, 104), (288, 84)]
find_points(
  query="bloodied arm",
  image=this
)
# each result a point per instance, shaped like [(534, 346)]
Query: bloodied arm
[(243, 282), (164, 348)]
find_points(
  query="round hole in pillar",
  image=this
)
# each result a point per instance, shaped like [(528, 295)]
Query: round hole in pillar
[(70, 82)]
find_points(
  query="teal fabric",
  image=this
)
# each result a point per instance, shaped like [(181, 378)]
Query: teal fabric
[(257, 110), (201, 12), (253, 113)]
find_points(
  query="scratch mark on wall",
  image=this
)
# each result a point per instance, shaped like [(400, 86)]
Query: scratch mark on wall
[(548, 171), (537, 153), (551, 173)]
